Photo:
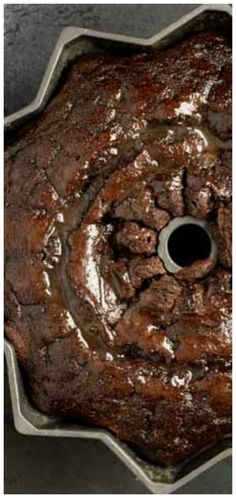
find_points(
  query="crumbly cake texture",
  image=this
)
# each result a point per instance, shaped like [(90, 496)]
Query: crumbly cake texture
[(103, 333)]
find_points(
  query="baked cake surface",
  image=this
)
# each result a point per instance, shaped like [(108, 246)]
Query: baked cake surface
[(103, 333)]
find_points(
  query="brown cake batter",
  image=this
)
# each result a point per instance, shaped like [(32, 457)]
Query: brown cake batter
[(104, 334)]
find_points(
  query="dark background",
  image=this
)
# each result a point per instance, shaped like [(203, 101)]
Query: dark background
[(47, 465)]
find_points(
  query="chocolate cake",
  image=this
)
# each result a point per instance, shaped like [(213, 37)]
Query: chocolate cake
[(104, 333)]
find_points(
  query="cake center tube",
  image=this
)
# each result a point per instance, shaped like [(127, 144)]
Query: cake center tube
[(183, 241)]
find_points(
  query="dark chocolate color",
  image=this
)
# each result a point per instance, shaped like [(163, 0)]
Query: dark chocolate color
[(102, 333)]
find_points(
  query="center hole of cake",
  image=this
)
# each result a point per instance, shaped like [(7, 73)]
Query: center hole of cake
[(189, 243)]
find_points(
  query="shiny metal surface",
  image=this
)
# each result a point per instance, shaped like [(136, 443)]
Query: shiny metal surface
[(72, 43)]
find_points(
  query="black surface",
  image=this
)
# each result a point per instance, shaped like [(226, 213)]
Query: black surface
[(41, 465)]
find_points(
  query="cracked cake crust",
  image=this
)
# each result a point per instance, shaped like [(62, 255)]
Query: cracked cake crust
[(102, 332)]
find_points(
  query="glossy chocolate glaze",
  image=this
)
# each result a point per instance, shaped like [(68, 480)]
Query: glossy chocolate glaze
[(102, 332)]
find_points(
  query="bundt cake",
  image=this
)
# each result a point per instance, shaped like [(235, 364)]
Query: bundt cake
[(105, 334)]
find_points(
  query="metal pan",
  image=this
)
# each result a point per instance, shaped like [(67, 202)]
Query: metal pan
[(72, 43)]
